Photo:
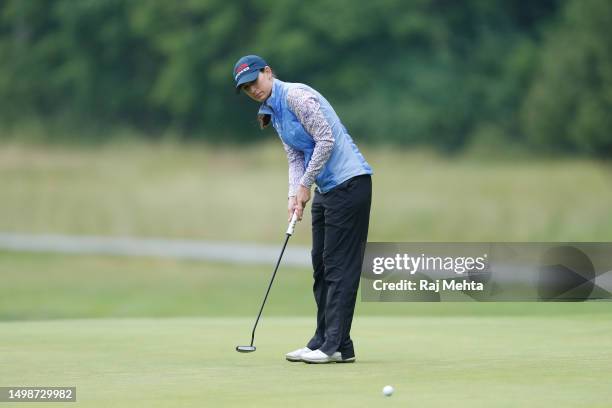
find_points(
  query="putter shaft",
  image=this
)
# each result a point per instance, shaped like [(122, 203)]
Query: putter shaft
[(268, 290)]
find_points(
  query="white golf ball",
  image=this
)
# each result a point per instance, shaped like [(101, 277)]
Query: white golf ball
[(388, 390)]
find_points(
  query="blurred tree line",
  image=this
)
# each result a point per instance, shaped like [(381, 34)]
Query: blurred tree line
[(437, 72)]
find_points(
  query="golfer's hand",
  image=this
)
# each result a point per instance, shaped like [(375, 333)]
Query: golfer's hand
[(303, 196), (291, 207)]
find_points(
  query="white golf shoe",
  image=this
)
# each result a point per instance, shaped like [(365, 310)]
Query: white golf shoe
[(296, 355), (319, 357)]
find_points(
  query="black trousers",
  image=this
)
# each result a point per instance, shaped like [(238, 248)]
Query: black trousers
[(340, 220)]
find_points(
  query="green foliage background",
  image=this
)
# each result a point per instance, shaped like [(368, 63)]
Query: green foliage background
[(442, 73)]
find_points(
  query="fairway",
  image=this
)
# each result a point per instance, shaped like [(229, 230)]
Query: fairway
[(431, 362)]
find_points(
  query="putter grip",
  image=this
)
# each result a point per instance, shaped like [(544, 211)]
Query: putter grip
[(292, 224)]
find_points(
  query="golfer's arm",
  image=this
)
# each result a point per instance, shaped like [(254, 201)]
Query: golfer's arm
[(307, 109), (296, 168)]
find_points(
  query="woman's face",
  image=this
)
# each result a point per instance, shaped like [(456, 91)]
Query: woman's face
[(260, 89)]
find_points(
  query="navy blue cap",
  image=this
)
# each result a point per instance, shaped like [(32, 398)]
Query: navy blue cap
[(247, 69)]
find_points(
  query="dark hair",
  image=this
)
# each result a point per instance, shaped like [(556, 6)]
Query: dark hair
[(264, 120)]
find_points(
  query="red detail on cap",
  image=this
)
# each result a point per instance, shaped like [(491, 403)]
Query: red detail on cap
[(241, 66)]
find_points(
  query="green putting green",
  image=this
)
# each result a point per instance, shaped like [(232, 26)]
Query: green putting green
[(502, 361)]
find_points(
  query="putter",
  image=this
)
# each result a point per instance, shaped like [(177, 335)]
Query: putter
[(251, 348)]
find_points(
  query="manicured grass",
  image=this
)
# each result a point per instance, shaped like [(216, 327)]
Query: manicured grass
[(223, 193), (159, 332), (431, 362), (52, 286)]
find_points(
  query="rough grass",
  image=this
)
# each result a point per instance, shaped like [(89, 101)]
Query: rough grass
[(222, 193)]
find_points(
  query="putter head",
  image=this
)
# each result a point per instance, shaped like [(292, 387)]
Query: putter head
[(245, 349)]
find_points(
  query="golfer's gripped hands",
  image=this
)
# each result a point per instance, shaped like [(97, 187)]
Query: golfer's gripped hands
[(298, 202)]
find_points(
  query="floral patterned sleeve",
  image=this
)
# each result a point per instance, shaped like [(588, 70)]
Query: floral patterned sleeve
[(306, 107), (296, 168)]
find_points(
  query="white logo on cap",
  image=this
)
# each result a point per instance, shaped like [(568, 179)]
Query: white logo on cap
[(241, 71)]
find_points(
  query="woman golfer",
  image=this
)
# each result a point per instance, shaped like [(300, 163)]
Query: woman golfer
[(320, 151)]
